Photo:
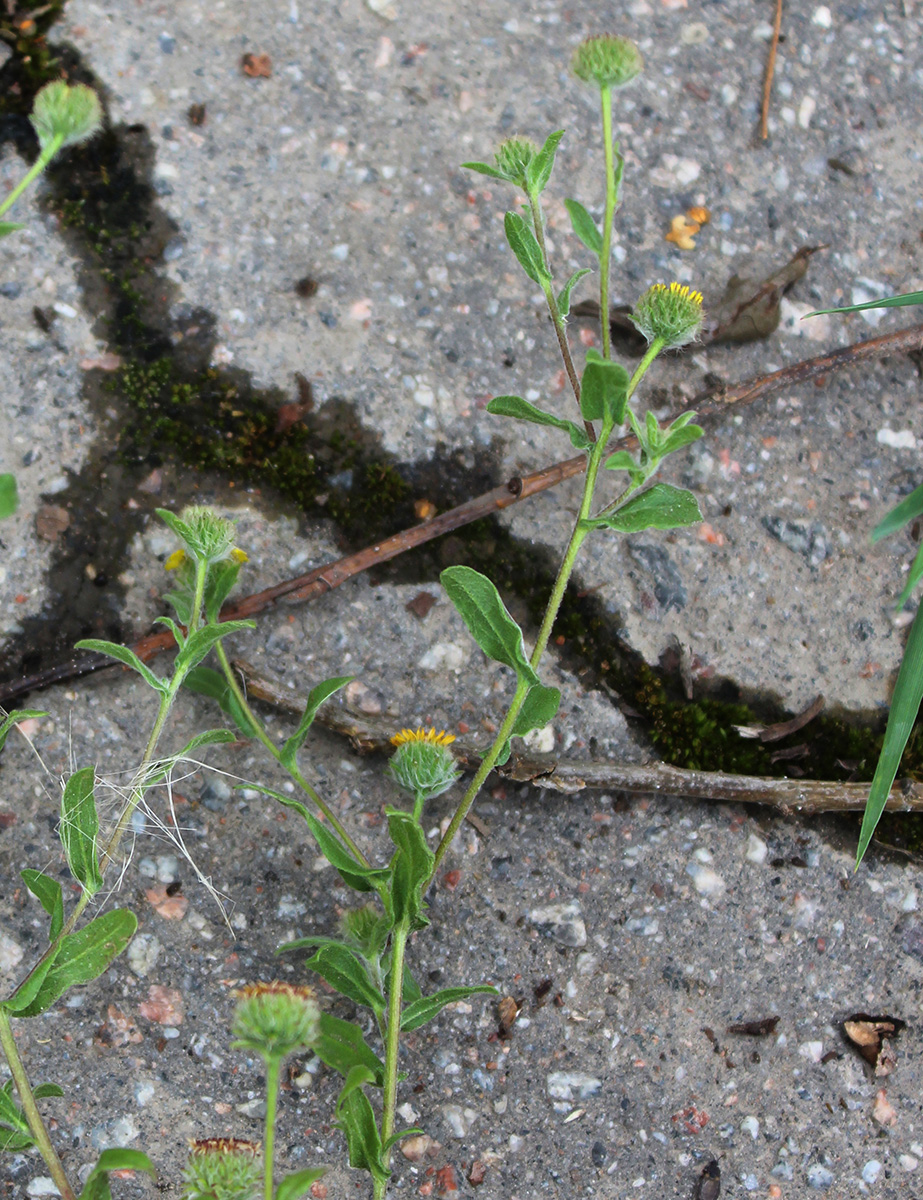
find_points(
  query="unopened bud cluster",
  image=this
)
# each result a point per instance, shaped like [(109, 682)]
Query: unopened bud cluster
[(608, 62), (273, 1019), (65, 115), (222, 1169)]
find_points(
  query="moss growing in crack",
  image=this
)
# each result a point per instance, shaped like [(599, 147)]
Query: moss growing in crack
[(24, 26)]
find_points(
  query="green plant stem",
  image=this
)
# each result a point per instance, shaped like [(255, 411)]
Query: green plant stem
[(605, 253), (565, 571), (399, 936), (273, 1066), (30, 1109), (556, 319), (274, 750), (34, 171), (640, 371)]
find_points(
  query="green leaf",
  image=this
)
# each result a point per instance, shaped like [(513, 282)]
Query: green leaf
[(207, 682), (316, 697), (30, 987), (178, 635), (357, 1120), (84, 955), (889, 302), (480, 607), (522, 410), (913, 577), (675, 439), (210, 737), (294, 1186), (541, 706), (485, 169), (345, 971), (415, 1015), (48, 892), (538, 172), (199, 643), (411, 868), (564, 294), (584, 226), (79, 829), (122, 654), (8, 227), (10, 721), (116, 1159), (621, 460), (219, 583), (526, 248), (604, 391), (905, 704), (341, 1046), (354, 873), (9, 494), (660, 507), (47, 1089), (908, 510)]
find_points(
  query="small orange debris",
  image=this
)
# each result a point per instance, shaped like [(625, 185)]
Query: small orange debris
[(257, 66)]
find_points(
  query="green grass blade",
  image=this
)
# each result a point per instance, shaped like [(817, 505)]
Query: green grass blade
[(908, 510), (888, 302), (905, 704)]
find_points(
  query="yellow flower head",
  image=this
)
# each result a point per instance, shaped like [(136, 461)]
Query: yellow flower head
[(175, 561), (420, 735), (670, 314), (423, 764)]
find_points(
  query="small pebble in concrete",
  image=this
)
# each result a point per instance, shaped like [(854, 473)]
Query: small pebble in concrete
[(871, 1170), (11, 954), (572, 1085), (563, 923), (458, 1119), (143, 953), (41, 1186), (705, 880), (820, 1177), (756, 849), (598, 1154)]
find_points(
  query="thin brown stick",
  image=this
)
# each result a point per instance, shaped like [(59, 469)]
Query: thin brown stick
[(770, 71), (804, 796), (708, 405)]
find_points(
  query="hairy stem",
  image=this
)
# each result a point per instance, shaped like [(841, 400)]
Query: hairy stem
[(30, 1109), (34, 171), (551, 300), (269, 1136), (399, 936), (276, 753), (606, 251)]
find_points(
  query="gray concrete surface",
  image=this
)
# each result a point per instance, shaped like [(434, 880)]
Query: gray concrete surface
[(343, 165)]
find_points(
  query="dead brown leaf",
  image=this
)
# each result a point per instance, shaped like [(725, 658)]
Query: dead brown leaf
[(51, 521), (750, 306), (872, 1037), (421, 604)]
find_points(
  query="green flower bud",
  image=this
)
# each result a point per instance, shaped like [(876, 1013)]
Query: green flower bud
[(274, 1019), (222, 1169), (609, 62), (206, 536), (70, 113), (671, 315), (513, 158), (361, 924), (423, 764)]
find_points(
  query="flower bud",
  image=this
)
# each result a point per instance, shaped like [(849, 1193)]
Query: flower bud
[(222, 1169), (423, 764), (671, 315), (72, 114), (274, 1019), (205, 536), (609, 62), (513, 157)]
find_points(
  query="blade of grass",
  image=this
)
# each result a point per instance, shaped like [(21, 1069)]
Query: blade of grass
[(905, 704)]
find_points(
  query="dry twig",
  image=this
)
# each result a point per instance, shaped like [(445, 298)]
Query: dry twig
[(770, 71)]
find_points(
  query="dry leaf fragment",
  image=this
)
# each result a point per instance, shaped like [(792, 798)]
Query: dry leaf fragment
[(699, 214), (421, 604), (681, 231), (750, 307), (761, 1028), (257, 66), (871, 1036), (883, 1112), (507, 1012), (51, 521)]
